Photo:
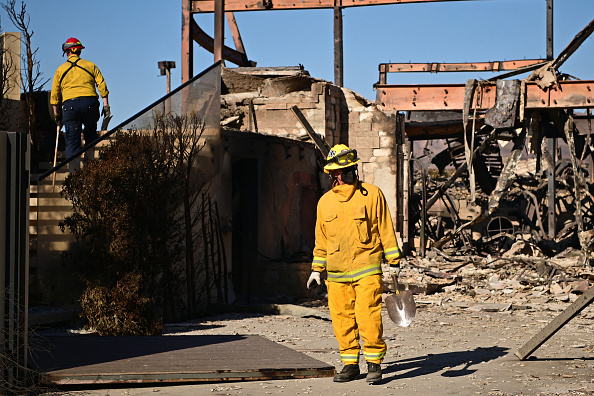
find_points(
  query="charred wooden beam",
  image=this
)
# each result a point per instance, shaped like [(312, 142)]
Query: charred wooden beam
[(338, 47), (562, 57), (520, 66), (199, 6), (208, 43), (235, 32), (549, 29), (567, 94), (458, 67), (219, 30), (318, 141), (437, 129), (187, 44), (573, 45), (561, 320)]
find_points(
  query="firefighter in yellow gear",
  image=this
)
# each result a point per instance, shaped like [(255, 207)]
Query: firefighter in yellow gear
[(354, 233)]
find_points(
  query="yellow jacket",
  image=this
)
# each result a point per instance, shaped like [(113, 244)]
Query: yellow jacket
[(353, 230), (77, 81)]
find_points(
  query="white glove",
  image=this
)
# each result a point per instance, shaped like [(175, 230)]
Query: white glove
[(314, 277), (396, 269)]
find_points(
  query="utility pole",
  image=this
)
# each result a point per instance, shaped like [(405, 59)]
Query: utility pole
[(165, 68)]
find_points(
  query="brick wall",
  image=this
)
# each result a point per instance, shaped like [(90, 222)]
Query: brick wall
[(371, 130)]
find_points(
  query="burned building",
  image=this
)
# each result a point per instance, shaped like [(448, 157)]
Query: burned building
[(464, 192)]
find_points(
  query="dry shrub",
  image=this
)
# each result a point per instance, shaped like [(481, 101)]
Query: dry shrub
[(120, 310)]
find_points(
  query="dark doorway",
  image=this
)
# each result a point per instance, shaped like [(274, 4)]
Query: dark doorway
[(245, 226)]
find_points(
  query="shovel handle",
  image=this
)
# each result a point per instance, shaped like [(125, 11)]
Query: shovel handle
[(395, 280)]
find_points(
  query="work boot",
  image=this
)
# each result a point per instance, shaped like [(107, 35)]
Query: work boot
[(348, 373), (374, 372)]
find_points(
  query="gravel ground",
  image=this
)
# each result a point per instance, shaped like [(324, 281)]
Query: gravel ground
[(453, 347)]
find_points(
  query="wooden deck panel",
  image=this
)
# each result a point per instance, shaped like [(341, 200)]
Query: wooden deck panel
[(75, 360)]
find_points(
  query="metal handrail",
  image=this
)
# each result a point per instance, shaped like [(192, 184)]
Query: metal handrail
[(113, 130)]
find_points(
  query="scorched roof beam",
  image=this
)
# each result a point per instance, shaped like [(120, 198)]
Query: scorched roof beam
[(200, 6), (190, 7), (435, 67), (566, 95)]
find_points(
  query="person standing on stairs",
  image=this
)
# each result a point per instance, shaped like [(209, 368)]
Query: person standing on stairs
[(75, 87)]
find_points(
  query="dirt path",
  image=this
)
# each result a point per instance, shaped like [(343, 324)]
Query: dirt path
[(455, 348)]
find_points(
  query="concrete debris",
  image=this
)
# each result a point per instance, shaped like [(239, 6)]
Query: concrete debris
[(495, 284)]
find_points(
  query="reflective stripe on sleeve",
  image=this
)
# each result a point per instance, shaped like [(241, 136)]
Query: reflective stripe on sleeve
[(320, 261), (392, 252)]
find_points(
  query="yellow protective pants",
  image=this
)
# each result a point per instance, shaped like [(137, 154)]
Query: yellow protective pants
[(355, 307)]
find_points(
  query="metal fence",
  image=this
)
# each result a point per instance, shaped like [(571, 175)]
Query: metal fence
[(14, 267)]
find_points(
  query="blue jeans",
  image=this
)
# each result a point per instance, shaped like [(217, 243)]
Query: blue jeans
[(77, 112)]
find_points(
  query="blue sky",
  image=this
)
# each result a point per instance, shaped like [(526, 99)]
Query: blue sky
[(127, 38)]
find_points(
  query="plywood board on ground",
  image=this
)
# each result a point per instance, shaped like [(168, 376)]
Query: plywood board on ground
[(87, 359)]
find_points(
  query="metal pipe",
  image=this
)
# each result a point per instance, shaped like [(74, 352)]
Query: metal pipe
[(552, 148)]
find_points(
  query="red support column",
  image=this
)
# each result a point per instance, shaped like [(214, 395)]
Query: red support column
[(187, 44)]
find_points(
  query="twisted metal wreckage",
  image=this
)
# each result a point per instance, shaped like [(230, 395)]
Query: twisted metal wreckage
[(531, 113)]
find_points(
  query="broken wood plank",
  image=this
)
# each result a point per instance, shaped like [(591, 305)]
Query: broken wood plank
[(318, 141), (570, 312), (436, 67)]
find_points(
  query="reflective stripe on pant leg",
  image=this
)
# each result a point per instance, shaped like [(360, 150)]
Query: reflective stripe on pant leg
[(368, 311), (341, 301)]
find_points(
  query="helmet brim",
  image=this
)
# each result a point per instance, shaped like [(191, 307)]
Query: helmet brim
[(334, 166)]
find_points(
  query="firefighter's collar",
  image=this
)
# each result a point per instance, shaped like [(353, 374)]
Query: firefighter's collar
[(344, 192)]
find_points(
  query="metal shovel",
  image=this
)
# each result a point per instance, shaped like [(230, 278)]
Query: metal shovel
[(401, 305)]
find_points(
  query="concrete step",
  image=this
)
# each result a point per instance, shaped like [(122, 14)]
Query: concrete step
[(43, 203), (44, 198), (56, 243), (47, 182), (49, 230), (46, 213)]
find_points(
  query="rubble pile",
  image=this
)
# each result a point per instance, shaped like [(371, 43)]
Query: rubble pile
[(507, 282)]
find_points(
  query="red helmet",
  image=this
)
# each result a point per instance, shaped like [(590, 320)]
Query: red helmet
[(72, 43)]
